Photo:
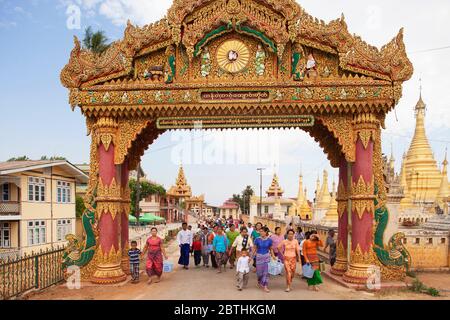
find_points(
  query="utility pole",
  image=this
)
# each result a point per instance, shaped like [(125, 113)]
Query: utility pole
[(138, 193), (260, 189)]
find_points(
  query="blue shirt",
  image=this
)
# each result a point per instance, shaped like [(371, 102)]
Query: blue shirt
[(221, 243), (263, 246), (134, 256)]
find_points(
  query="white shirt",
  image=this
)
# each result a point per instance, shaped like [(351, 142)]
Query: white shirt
[(301, 246), (184, 236), (250, 230), (243, 264)]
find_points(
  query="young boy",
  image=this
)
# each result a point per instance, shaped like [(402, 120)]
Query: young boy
[(134, 254), (197, 249), (242, 269)]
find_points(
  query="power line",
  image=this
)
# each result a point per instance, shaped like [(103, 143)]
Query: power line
[(410, 137), (429, 50)]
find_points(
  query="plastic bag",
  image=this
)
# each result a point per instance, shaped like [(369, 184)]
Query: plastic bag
[(308, 271), (275, 267), (167, 266)]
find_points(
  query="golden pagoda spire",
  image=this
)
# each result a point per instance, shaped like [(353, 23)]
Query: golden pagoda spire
[(332, 213), (305, 209), (318, 189), (443, 189), (391, 159), (324, 192), (300, 194), (422, 175)]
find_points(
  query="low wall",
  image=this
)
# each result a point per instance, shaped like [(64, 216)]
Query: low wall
[(272, 224), (428, 251)]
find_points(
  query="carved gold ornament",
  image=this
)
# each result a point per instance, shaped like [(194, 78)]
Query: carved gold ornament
[(340, 265), (108, 266), (109, 199), (233, 56)]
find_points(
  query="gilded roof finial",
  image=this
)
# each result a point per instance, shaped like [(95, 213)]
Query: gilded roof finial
[(420, 106)]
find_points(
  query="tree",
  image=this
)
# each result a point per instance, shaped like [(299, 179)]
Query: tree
[(79, 206), (146, 188), (22, 158), (97, 42), (52, 158), (243, 199), (247, 193)]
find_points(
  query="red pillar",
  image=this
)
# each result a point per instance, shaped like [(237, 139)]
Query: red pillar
[(342, 241), (124, 172), (361, 256), (108, 196)]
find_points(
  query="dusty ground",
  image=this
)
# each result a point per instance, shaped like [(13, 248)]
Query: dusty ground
[(201, 283)]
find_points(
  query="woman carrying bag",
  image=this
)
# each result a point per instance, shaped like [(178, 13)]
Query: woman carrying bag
[(312, 261)]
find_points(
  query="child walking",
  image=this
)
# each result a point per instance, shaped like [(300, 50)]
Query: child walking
[(242, 269), (134, 254), (197, 249)]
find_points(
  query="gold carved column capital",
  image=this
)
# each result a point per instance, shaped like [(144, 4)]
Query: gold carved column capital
[(105, 131), (365, 126)]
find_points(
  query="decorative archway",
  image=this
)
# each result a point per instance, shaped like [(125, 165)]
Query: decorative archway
[(239, 64)]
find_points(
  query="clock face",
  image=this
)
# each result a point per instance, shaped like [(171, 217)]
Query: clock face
[(233, 56)]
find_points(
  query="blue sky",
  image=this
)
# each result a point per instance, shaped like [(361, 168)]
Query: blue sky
[(36, 44)]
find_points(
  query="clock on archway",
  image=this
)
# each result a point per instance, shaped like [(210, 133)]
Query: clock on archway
[(233, 56)]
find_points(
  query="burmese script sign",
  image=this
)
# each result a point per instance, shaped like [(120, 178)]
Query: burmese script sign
[(236, 96), (287, 121)]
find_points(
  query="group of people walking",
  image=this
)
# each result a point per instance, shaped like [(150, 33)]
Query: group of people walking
[(229, 242)]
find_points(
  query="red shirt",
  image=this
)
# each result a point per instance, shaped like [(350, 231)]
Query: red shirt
[(197, 245)]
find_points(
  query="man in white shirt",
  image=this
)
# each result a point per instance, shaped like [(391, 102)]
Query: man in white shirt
[(184, 238), (249, 228)]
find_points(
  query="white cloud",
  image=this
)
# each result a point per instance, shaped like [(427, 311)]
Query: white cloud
[(140, 12)]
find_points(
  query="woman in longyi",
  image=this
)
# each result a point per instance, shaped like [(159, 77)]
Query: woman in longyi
[(310, 253), (291, 255), (154, 247)]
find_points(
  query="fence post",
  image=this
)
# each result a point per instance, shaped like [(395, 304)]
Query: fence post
[(36, 271)]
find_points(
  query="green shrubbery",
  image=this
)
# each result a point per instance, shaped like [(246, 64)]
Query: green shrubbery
[(419, 287)]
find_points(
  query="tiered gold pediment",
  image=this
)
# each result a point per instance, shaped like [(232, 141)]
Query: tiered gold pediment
[(281, 25), (274, 17), (388, 63)]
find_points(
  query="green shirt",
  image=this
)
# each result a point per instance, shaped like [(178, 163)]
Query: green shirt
[(255, 234), (231, 235)]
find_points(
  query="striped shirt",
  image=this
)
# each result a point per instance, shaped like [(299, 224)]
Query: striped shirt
[(134, 255)]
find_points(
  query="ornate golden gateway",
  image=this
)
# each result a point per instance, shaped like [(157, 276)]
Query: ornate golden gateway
[(164, 69), (248, 59)]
